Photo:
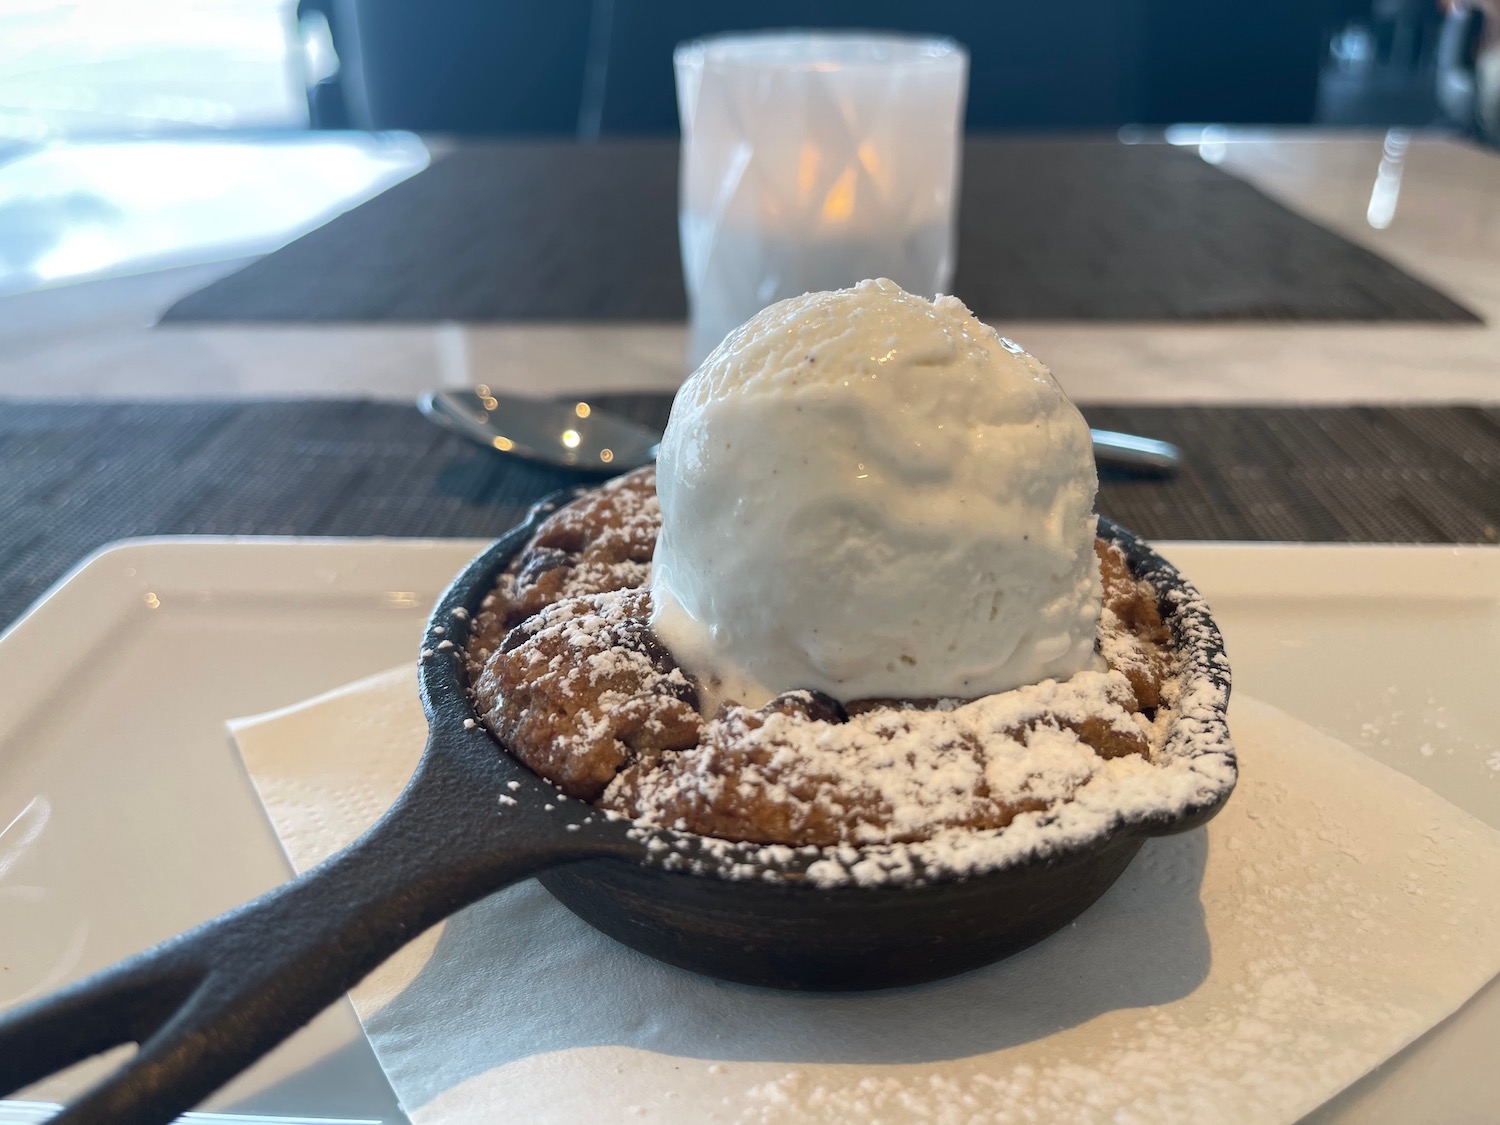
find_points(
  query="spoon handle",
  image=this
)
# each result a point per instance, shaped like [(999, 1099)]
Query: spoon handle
[(1143, 455), (208, 1003)]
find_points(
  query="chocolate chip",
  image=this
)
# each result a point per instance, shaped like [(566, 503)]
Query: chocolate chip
[(808, 704), (538, 561), (514, 639)]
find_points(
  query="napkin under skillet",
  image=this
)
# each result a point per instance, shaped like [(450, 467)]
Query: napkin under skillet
[(1246, 972)]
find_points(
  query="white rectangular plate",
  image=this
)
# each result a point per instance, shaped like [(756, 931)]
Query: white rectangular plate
[(115, 687)]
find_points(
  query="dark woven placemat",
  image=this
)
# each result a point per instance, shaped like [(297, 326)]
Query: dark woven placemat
[(79, 476), (1048, 230)]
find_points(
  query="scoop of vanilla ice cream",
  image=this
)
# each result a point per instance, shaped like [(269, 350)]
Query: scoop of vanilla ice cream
[(874, 495)]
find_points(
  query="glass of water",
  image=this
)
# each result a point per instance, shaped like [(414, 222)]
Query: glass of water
[(813, 160)]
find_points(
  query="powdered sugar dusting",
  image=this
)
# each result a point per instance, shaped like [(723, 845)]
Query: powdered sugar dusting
[(905, 773)]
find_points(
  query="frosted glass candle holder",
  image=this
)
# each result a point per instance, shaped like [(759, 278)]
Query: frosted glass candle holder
[(811, 161)]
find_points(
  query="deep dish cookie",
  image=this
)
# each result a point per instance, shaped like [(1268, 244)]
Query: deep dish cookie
[(580, 689)]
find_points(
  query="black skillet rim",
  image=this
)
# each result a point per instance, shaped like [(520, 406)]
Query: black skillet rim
[(447, 700)]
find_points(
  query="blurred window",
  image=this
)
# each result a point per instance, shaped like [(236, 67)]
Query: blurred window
[(91, 68)]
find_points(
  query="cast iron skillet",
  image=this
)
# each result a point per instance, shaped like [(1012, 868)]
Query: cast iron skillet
[(206, 1004)]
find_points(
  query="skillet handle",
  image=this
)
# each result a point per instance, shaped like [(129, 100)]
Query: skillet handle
[(206, 1004)]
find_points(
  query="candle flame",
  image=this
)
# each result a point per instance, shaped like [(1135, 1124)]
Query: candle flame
[(838, 204)]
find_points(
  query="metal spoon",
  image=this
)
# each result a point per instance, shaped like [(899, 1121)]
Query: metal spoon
[(578, 435), (571, 434)]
